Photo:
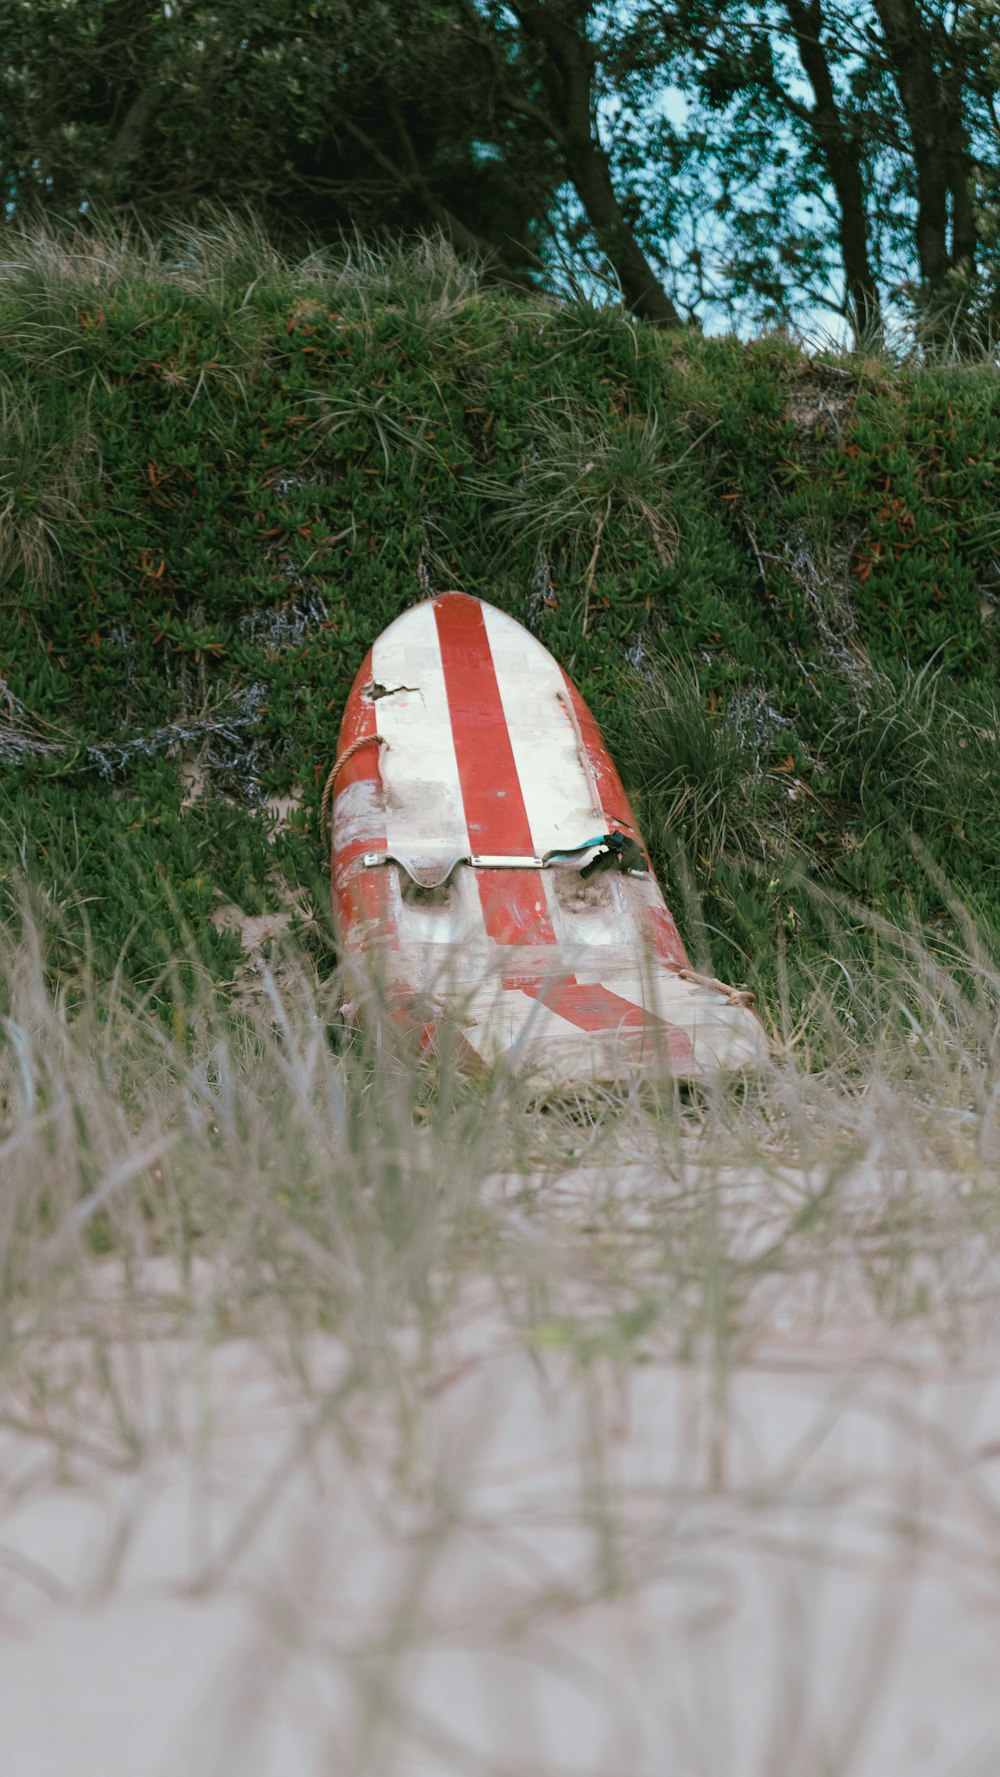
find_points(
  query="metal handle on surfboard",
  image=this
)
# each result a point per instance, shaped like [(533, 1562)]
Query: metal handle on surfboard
[(612, 851), (478, 860)]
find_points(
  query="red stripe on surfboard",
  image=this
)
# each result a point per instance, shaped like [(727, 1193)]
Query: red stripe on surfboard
[(513, 901), (359, 723), (614, 802), (360, 894), (668, 946), (594, 1008)]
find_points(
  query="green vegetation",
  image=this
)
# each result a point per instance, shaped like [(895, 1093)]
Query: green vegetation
[(773, 578)]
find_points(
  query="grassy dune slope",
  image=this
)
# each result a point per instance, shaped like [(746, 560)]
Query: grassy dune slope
[(774, 578)]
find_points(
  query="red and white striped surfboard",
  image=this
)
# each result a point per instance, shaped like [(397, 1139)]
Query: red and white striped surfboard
[(471, 790)]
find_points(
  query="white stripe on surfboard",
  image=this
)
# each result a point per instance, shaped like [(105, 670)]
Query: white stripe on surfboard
[(554, 785), (501, 1022), (425, 817), (516, 1026), (507, 1023)]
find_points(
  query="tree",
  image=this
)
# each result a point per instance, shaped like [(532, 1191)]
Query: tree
[(323, 114), (388, 114), (544, 74), (753, 161), (883, 121)]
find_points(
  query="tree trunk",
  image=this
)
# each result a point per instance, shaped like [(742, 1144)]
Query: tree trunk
[(964, 235), (940, 152), (842, 162), (135, 126), (588, 168), (557, 34)]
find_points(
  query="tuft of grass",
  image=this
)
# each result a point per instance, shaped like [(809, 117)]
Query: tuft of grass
[(55, 280), (907, 744), (586, 485), (424, 278), (701, 773), (46, 474), (47, 265)]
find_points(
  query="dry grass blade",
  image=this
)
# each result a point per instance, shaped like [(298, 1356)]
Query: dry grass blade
[(459, 1378), (581, 470), (43, 483)]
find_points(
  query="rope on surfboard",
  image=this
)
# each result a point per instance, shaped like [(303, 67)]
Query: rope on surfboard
[(737, 996), (364, 740)]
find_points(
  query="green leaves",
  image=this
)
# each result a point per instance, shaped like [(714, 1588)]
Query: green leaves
[(327, 116)]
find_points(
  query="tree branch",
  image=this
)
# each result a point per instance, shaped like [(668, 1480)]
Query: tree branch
[(410, 179), (842, 161), (514, 101)]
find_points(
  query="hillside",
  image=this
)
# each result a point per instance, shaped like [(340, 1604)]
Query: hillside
[(774, 577)]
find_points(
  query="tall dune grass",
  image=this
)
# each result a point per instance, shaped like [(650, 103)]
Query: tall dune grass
[(197, 1178), (343, 1178)]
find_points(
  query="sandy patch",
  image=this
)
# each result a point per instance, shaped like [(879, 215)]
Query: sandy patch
[(278, 811), (509, 1561)]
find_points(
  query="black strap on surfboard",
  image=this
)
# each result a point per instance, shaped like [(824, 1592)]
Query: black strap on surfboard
[(621, 853), (618, 852)]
